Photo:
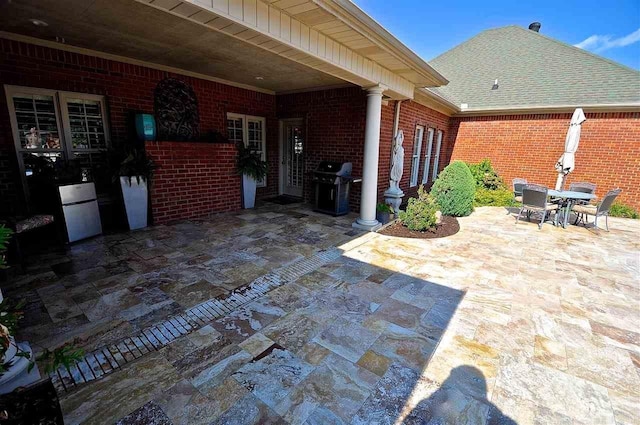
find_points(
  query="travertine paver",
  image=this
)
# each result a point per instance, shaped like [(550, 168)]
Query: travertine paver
[(498, 324)]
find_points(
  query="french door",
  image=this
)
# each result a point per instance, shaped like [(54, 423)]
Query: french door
[(292, 141)]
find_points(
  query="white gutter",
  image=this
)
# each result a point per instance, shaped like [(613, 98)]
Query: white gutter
[(457, 111), (549, 109)]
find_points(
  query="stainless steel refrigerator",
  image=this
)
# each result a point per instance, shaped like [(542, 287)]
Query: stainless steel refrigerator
[(80, 209)]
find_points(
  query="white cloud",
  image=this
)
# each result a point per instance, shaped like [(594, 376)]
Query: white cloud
[(600, 43)]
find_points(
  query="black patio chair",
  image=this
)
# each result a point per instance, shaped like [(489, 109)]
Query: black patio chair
[(518, 184), (602, 209), (535, 200), (583, 187)]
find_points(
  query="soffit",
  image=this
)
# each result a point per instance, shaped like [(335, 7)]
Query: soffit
[(133, 30)]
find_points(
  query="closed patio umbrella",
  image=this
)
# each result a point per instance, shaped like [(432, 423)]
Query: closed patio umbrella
[(567, 162)]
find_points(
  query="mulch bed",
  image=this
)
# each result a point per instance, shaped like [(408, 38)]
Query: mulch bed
[(449, 226)]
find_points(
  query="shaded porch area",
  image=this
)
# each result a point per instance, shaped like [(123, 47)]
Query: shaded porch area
[(111, 286)]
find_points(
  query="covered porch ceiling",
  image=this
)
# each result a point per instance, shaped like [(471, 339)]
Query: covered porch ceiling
[(132, 30), (274, 46)]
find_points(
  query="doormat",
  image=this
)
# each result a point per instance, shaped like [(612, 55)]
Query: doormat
[(284, 200)]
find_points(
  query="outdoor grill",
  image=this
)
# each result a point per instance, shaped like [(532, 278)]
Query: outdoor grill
[(332, 181)]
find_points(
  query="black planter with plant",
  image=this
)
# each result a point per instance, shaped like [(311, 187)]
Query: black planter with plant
[(252, 169), (384, 213)]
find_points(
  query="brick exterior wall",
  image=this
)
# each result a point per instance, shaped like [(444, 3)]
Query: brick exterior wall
[(197, 178), (334, 121), (412, 114), (528, 146), (129, 90), (193, 180)]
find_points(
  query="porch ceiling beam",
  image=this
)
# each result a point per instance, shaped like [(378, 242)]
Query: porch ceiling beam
[(263, 25)]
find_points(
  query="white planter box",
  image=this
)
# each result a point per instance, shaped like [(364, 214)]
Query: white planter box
[(249, 191), (135, 201)]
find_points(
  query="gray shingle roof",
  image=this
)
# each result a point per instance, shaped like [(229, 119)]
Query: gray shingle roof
[(532, 70)]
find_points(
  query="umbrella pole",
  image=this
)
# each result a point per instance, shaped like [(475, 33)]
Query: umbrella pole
[(560, 181)]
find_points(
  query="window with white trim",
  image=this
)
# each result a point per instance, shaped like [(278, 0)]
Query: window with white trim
[(415, 158), (58, 126), (427, 156), (251, 131), (436, 158)]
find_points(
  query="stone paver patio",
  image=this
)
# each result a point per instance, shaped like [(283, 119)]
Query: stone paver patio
[(498, 324)]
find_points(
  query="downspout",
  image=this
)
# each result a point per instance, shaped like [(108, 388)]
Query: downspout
[(396, 121)]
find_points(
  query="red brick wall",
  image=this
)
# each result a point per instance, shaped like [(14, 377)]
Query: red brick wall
[(193, 179), (528, 146), (335, 131), (128, 90), (335, 121), (412, 114)]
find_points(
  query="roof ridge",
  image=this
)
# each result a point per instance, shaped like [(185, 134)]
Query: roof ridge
[(468, 40), (562, 43), (579, 77), (546, 37)]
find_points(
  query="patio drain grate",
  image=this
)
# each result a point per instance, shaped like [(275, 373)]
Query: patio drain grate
[(106, 360)]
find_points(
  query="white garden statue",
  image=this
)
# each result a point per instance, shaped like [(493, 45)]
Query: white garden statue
[(393, 195), (397, 163)]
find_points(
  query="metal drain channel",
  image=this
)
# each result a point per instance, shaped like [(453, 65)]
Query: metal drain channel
[(108, 359)]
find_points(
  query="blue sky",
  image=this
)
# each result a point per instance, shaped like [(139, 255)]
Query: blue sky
[(610, 28)]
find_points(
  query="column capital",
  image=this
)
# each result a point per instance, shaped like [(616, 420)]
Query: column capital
[(375, 90)]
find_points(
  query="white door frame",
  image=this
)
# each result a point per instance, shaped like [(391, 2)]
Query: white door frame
[(281, 150)]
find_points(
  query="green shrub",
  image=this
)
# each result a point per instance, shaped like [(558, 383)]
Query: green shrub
[(454, 190), (622, 210), (5, 233), (485, 176), (420, 214), (494, 198)]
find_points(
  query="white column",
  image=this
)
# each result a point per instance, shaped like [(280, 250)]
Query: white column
[(369, 196)]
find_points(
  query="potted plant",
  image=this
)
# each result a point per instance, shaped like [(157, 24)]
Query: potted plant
[(384, 213), (134, 168), (24, 396), (253, 169)]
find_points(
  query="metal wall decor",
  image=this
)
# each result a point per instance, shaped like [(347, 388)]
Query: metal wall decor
[(176, 110)]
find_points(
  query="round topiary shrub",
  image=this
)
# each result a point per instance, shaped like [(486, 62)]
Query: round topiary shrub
[(454, 190), (420, 214)]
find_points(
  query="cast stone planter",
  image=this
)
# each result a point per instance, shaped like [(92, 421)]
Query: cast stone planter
[(135, 195), (249, 191)]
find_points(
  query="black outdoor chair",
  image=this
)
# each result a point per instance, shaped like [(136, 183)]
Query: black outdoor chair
[(518, 184), (534, 200), (583, 187), (602, 209)]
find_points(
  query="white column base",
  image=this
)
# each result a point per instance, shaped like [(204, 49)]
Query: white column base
[(368, 226)]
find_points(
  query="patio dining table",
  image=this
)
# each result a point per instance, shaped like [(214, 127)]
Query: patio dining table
[(569, 198)]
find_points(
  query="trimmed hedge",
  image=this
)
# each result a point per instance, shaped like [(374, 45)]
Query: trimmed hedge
[(622, 210), (420, 213), (454, 190), (485, 176), (493, 198)]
